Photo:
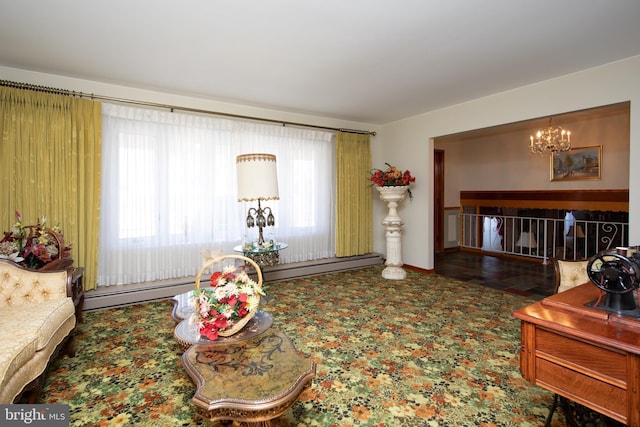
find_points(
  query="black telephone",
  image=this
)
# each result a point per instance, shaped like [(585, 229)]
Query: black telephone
[(618, 278)]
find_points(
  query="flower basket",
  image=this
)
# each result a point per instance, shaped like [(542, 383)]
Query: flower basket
[(212, 302), (58, 240), (35, 247)]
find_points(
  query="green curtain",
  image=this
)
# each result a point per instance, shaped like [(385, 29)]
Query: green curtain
[(354, 224), (50, 166)]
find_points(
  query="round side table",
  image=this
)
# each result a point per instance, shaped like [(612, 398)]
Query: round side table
[(266, 256)]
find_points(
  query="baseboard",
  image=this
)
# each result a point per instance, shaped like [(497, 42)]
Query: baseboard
[(114, 296)]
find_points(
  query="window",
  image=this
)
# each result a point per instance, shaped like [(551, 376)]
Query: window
[(169, 191)]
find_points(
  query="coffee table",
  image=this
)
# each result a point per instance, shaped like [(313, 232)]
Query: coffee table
[(186, 334), (182, 306), (249, 382)]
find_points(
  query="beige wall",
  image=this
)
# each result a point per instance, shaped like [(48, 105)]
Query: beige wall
[(192, 102), (501, 161), (408, 143)]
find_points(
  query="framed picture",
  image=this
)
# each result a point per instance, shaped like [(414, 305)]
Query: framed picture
[(577, 164)]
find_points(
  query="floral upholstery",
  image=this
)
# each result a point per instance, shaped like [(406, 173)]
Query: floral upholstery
[(570, 274), (36, 315)]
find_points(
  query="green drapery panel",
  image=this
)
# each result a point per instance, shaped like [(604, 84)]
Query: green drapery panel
[(354, 224), (50, 158)]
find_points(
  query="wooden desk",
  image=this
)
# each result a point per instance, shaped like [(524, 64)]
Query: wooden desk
[(586, 355)]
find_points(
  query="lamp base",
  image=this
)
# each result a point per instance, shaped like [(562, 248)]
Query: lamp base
[(257, 217)]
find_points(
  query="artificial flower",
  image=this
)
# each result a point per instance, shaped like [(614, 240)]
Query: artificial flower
[(392, 177), (33, 246), (232, 296)]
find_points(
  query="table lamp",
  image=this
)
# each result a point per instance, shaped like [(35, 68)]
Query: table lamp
[(258, 180), (527, 240), (576, 231)]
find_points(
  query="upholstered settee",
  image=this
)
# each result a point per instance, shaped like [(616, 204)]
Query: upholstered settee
[(37, 318)]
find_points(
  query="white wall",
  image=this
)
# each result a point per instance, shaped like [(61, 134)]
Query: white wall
[(408, 143)]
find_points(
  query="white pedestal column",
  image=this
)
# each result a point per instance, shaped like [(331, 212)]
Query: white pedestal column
[(392, 195)]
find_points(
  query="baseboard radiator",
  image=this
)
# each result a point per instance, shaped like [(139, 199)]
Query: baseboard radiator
[(115, 296)]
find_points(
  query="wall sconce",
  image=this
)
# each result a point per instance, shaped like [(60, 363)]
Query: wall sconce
[(258, 180)]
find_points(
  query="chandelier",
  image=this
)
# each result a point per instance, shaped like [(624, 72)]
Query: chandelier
[(553, 139)]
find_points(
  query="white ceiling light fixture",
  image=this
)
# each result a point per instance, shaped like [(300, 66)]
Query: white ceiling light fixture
[(551, 140)]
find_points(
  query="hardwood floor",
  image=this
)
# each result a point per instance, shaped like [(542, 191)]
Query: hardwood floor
[(530, 278)]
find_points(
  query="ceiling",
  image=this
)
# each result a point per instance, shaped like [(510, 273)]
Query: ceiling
[(368, 61)]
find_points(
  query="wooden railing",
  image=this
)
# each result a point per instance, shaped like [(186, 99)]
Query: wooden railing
[(588, 200)]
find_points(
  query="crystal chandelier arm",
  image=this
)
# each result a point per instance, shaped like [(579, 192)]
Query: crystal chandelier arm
[(551, 140)]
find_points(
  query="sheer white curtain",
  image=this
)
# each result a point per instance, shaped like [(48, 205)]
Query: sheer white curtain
[(169, 191)]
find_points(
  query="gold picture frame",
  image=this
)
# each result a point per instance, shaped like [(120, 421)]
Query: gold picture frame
[(580, 163)]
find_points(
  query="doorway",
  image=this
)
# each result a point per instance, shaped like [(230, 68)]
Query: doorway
[(438, 202)]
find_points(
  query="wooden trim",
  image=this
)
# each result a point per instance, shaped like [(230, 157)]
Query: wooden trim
[(419, 269), (595, 200)]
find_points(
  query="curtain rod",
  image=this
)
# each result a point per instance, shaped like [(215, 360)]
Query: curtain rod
[(172, 108)]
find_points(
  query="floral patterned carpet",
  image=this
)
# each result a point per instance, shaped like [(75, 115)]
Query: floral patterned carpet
[(424, 351)]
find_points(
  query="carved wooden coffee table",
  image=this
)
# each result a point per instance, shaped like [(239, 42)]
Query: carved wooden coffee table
[(186, 334), (249, 382)]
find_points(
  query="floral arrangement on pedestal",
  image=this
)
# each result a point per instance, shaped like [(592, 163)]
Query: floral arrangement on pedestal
[(391, 184), (224, 307), (392, 177), (35, 247)]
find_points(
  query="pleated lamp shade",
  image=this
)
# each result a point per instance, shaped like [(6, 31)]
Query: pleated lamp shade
[(575, 231), (527, 240), (257, 177)]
